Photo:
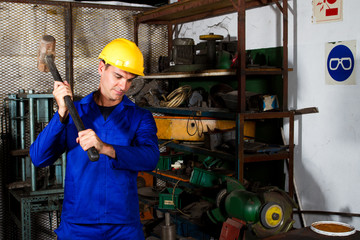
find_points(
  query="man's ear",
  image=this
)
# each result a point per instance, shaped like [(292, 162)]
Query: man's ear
[(101, 67)]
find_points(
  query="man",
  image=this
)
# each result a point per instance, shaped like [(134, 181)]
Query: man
[(100, 198)]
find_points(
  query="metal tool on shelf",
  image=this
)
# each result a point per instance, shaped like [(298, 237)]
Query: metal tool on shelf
[(211, 39)]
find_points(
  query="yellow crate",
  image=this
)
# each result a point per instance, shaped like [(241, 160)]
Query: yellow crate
[(192, 128)]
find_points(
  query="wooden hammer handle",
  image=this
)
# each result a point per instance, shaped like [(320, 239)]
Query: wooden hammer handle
[(93, 154)]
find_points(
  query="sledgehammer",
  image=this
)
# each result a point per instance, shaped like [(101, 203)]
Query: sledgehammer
[(46, 63)]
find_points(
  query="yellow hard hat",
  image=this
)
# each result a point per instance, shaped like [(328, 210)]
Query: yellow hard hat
[(124, 54)]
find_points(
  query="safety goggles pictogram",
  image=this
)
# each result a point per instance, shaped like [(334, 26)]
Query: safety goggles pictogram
[(345, 62)]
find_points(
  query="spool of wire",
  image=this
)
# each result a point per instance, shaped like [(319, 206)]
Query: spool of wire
[(176, 97)]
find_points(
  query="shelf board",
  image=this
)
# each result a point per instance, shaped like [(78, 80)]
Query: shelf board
[(192, 10), (20, 152), (248, 158), (162, 175), (199, 150), (195, 112), (268, 115), (171, 175), (214, 73), (266, 71), (223, 114), (192, 74)]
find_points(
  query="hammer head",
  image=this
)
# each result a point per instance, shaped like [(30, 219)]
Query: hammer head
[(47, 47)]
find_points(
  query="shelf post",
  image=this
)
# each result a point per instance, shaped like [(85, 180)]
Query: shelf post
[(291, 154), (241, 55), (136, 31), (285, 55), (241, 77), (170, 36), (240, 123)]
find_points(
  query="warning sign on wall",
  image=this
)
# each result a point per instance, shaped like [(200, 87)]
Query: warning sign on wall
[(340, 63), (327, 10)]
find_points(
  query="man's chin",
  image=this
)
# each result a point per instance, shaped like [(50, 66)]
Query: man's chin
[(117, 98)]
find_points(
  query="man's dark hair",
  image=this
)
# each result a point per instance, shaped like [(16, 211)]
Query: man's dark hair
[(106, 64)]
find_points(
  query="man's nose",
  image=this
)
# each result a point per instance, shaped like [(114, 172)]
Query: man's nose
[(122, 83)]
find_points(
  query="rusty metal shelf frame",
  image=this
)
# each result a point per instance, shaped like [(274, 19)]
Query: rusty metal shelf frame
[(190, 10), (193, 10), (31, 203), (289, 155), (258, 157), (214, 73)]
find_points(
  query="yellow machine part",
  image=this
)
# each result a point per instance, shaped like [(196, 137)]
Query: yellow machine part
[(269, 216), (211, 37), (192, 128)]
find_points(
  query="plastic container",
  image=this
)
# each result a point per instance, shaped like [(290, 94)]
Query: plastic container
[(165, 161), (170, 200), (204, 178)]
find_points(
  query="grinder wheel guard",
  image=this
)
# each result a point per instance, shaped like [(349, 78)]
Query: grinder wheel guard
[(276, 214)]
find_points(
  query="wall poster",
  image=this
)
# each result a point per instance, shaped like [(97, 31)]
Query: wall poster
[(340, 63), (327, 10)]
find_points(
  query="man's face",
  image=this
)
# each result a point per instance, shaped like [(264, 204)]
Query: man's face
[(114, 82)]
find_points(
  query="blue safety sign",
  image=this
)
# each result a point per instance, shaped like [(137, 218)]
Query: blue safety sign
[(340, 63)]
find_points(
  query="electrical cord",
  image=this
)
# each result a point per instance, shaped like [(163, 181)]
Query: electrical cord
[(176, 97), (197, 126), (172, 199)]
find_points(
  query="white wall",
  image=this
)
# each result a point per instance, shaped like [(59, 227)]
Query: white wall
[(327, 163), (327, 153)]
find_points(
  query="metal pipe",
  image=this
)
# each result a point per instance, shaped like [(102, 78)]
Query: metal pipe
[(63, 166), (22, 135), (13, 124), (346, 214), (168, 230), (32, 138)]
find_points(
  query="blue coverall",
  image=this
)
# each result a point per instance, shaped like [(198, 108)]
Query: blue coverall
[(105, 191)]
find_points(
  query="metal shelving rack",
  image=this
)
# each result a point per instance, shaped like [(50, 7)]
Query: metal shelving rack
[(192, 10), (23, 202)]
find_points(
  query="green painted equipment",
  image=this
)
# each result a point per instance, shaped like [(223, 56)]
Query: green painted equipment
[(266, 212), (204, 178), (249, 202), (169, 199)]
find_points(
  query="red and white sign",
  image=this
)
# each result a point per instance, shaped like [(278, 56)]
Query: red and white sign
[(327, 10)]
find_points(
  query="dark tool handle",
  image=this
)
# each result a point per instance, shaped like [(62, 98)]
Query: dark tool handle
[(93, 154)]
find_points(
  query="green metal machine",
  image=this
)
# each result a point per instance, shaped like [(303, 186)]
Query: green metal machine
[(266, 212)]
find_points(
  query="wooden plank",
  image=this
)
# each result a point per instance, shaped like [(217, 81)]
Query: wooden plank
[(266, 157), (214, 73), (192, 10), (19, 152)]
